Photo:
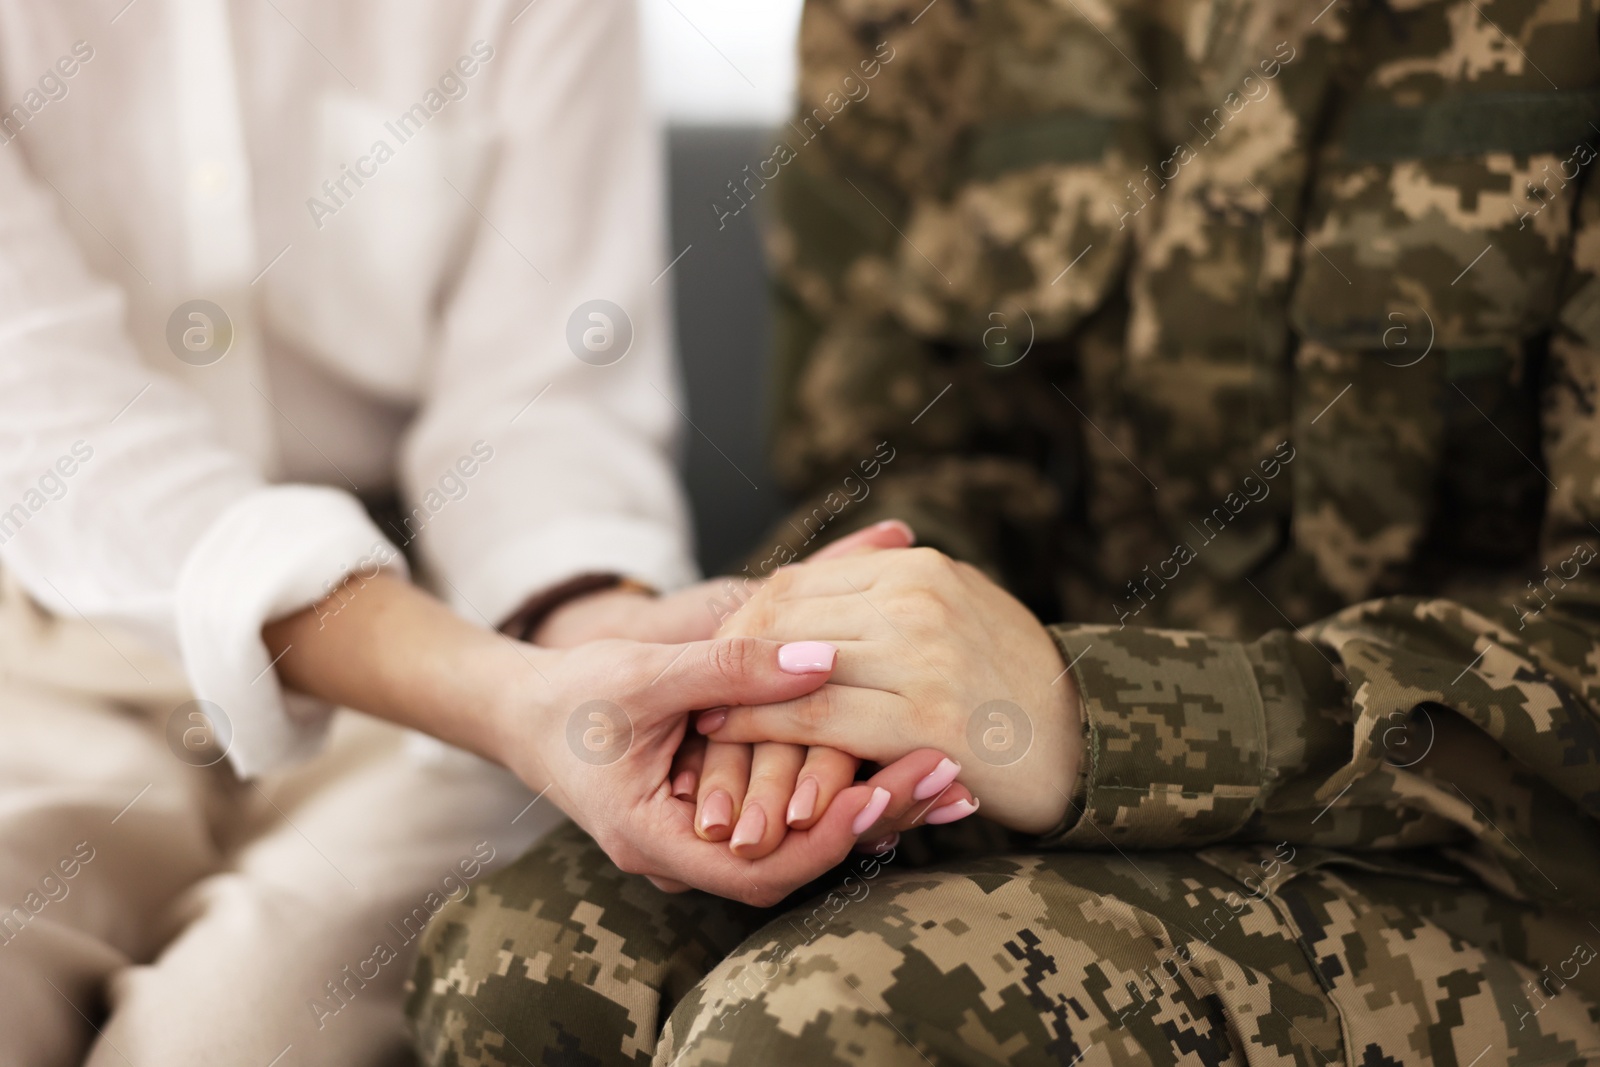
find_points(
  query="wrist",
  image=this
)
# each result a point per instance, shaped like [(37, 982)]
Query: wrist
[(510, 705), (397, 653), (478, 686), (1035, 791), (1067, 732)]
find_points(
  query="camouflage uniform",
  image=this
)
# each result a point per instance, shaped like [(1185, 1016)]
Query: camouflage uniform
[(1262, 341)]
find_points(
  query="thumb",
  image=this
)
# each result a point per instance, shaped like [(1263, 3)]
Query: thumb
[(734, 670)]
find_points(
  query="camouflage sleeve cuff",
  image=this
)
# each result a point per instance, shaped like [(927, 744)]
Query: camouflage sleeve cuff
[(1175, 749)]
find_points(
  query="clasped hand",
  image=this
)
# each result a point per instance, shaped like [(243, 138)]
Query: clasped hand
[(932, 654), (940, 677)]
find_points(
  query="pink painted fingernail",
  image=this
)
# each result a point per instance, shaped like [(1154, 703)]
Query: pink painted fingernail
[(716, 812), (951, 812), (683, 785), (804, 801), (869, 814), (711, 721), (806, 657), (937, 780), (752, 824), (905, 529)]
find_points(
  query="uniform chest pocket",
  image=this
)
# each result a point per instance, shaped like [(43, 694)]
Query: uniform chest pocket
[(390, 214), (1432, 259), (1447, 221)]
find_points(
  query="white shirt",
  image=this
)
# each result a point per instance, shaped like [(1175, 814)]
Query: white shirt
[(399, 315)]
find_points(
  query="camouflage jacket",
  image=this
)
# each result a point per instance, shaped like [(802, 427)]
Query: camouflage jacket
[(1260, 343)]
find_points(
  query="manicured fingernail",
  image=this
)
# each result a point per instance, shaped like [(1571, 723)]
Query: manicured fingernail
[(895, 524), (716, 812), (951, 812), (711, 721), (937, 780), (880, 846), (869, 814), (804, 801), (806, 657), (683, 785), (752, 824)]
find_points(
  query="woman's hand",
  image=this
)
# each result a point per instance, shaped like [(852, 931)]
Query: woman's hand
[(601, 725), (597, 727), (740, 788), (931, 654), (746, 795)]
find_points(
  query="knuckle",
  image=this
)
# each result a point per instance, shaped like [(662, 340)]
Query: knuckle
[(755, 619), (722, 777), (777, 584), (936, 613), (741, 623), (926, 716), (924, 611), (814, 711), (769, 779), (745, 603), (929, 562), (732, 658)]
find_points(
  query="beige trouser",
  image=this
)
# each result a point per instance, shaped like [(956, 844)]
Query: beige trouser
[(158, 914)]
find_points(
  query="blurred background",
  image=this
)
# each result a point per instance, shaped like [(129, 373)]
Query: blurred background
[(721, 76)]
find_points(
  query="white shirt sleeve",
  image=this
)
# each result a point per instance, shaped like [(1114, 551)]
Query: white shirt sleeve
[(119, 501), (580, 471), (122, 494)]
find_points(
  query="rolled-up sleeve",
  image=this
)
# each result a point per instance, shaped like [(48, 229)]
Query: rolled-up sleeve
[(274, 552), (120, 501)]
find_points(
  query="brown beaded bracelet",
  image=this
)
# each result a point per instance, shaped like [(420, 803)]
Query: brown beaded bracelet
[(527, 619)]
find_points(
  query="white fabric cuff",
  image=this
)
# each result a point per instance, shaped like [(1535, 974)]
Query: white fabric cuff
[(275, 552), (503, 579)]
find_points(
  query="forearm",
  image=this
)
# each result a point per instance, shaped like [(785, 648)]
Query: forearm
[(384, 647)]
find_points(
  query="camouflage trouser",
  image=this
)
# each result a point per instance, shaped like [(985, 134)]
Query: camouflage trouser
[(1227, 956)]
